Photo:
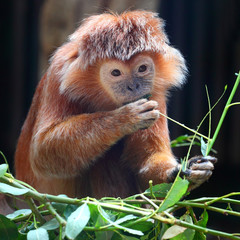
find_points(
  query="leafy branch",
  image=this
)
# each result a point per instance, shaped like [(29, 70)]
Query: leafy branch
[(211, 141), (225, 110), (127, 212)]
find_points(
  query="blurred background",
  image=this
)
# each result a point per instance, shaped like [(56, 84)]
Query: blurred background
[(206, 32)]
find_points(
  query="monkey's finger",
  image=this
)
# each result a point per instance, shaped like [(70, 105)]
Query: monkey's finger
[(201, 159), (199, 176), (141, 101), (210, 159), (150, 115), (148, 106), (202, 166)]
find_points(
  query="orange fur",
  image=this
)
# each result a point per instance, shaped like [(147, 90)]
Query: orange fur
[(75, 139)]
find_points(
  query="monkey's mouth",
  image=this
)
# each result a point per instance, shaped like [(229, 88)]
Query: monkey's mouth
[(147, 96)]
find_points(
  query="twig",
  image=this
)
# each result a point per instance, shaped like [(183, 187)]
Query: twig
[(34, 209), (228, 104)]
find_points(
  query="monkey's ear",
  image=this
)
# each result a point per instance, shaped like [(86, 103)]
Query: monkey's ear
[(172, 67), (64, 55), (65, 62)]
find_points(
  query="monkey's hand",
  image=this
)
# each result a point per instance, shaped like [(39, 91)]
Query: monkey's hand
[(199, 170), (138, 115)]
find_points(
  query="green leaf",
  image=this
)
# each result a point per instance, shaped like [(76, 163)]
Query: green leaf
[(94, 214), (179, 140), (60, 207), (177, 191), (203, 223), (188, 234), (18, 213), (126, 218), (5, 188), (199, 236), (22, 236), (100, 219), (69, 210), (116, 223), (159, 190), (51, 225), (77, 221), (83, 236), (105, 215), (203, 147), (143, 226), (8, 229), (204, 219), (173, 231), (164, 228), (38, 234), (180, 233), (118, 236), (3, 169), (103, 235)]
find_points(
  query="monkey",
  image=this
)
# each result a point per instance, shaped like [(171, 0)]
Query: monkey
[(94, 126)]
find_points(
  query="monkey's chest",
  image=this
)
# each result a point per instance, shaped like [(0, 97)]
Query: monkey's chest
[(109, 177)]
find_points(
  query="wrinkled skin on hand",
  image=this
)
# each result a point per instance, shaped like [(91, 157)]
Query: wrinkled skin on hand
[(199, 170)]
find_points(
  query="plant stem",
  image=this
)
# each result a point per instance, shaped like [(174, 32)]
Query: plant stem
[(205, 230), (225, 196), (210, 116), (5, 160), (35, 211), (233, 104), (55, 214), (23, 218), (212, 141), (214, 209), (149, 201), (184, 126)]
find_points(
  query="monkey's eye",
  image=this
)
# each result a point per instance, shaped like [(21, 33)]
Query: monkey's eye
[(116, 73), (142, 68)]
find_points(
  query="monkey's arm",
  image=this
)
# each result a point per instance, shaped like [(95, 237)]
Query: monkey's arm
[(153, 158), (162, 168), (65, 147)]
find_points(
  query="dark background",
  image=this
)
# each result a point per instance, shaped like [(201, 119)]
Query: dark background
[(207, 32)]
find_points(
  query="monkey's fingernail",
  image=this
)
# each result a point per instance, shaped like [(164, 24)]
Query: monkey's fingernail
[(210, 158)]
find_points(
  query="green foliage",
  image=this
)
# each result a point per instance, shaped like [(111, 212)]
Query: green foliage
[(77, 221), (8, 229), (159, 190), (5, 188), (3, 169), (177, 191), (113, 218), (38, 234)]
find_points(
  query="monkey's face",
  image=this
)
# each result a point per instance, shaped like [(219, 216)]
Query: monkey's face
[(128, 81)]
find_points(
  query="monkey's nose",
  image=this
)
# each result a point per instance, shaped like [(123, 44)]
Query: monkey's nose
[(133, 86)]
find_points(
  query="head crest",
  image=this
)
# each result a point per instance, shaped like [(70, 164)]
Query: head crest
[(119, 36)]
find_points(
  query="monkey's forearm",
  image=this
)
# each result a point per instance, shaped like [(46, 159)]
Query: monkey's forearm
[(158, 168), (67, 147), (164, 168)]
